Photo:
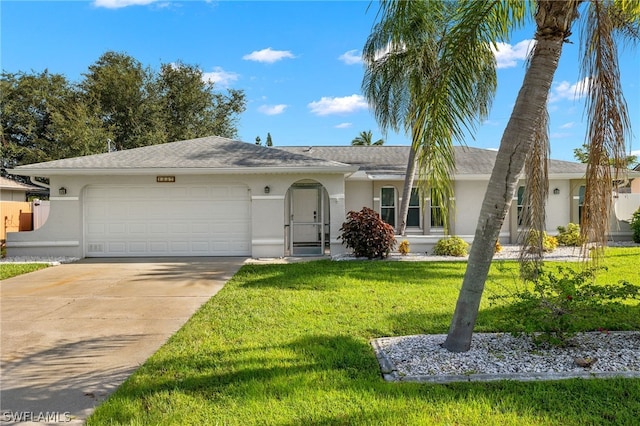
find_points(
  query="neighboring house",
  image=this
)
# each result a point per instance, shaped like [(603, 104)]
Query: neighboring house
[(11, 190), (16, 213), (218, 197)]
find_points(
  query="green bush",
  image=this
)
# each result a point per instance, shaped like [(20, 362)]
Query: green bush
[(549, 243), (451, 246), (570, 236), (367, 234), (635, 226), (555, 303)]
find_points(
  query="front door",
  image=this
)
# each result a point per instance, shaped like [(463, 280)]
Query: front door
[(307, 220)]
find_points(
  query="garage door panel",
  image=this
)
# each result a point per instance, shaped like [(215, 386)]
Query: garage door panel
[(211, 220)]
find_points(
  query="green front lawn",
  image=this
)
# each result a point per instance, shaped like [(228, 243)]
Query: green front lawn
[(8, 270), (289, 345)]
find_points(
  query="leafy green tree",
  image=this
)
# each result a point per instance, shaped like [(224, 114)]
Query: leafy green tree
[(44, 118), (258, 140), (269, 140), (476, 24), (190, 107), (122, 94), (366, 139), (582, 155)]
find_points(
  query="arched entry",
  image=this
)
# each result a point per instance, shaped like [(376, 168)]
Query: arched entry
[(307, 219)]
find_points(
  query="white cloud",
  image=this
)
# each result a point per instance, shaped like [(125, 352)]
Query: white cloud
[(567, 91), (568, 125), (117, 4), (507, 56), (220, 77), (272, 109), (268, 55), (636, 152), (351, 57), (343, 125), (347, 104), (560, 135)]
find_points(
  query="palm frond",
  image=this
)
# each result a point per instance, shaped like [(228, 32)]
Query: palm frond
[(535, 198), (608, 122)]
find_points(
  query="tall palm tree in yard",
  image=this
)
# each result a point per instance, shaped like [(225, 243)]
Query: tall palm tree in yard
[(366, 139), (432, 90), (487, 22)]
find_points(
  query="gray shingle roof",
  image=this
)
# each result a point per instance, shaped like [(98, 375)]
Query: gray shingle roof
[(226, 154), (202, 153), (393, 159)]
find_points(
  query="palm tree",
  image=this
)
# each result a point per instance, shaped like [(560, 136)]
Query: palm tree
[(418, 82), (365, 139), (525, 137)]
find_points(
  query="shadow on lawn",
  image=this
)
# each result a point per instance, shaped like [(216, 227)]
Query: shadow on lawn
[(339, 377)]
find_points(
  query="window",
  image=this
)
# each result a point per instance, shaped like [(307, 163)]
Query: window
[(437, 219), (581, 191), (413, 215), (520, 204), (388, 205)]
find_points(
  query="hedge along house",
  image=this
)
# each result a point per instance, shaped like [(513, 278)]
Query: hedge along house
[(218, 197)]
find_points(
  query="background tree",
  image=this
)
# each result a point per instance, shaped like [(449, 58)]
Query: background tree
[(269, 140), (122, 94), (44, 118), (582, 155), (118, 103), (366, 139), (258, 140)]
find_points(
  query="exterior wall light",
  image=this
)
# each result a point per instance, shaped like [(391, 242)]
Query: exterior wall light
[(62, 190), (267, 189), (556, 191)]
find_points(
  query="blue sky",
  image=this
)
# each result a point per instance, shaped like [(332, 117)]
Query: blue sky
[(297, 61)]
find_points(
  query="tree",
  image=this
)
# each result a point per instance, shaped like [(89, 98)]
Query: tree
[(582, 155), (366, 139), (44, 118), (269, 140), (473, 25), (258, 140), (121, 92), (607, 129), (418, 82), (119, 104)]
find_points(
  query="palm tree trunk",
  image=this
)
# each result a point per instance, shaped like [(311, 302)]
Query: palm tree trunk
[(406, 191), (553, 20)]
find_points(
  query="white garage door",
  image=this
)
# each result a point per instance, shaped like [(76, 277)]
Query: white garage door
[(167, 220)]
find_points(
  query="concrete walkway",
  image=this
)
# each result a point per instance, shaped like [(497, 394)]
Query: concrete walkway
[(71, 334)]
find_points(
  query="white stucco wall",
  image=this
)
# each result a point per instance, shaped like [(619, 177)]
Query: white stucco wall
[(62, 234), (358, 194), (558, 205)]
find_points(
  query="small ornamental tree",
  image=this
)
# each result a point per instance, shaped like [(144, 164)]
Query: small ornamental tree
[(367, 234)]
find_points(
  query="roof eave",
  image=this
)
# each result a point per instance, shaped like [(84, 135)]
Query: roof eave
[(180, 171)]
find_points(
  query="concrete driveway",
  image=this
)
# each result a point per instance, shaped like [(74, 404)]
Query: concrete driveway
[(71, 334)]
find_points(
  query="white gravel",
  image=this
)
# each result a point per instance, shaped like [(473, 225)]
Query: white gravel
[(508, 252), (51, 260), (497, 356)]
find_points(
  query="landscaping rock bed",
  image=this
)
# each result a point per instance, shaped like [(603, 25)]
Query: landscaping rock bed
[(500, 356)]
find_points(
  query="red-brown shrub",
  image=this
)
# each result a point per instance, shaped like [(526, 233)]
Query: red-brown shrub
[(367, 234)]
